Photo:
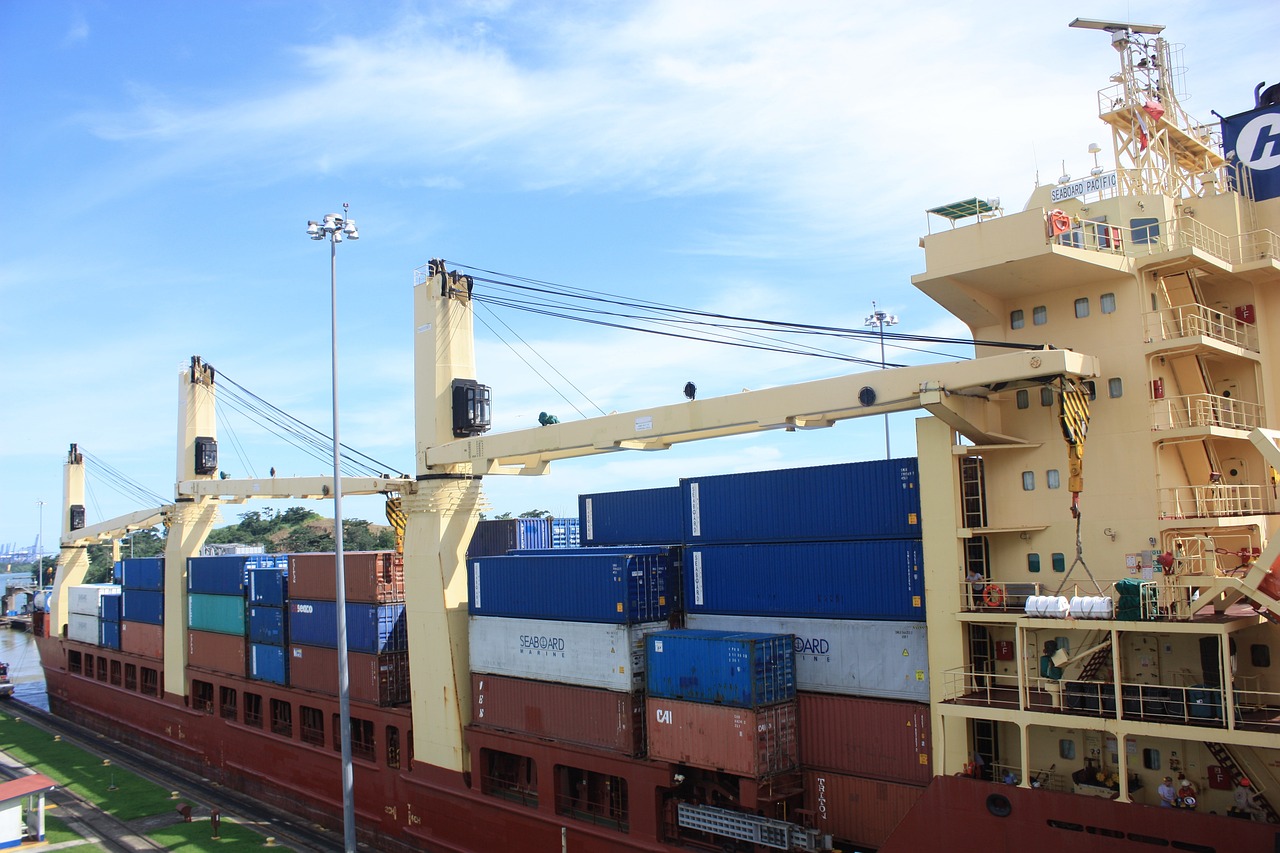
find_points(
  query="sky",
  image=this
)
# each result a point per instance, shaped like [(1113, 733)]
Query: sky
[(159, 162)]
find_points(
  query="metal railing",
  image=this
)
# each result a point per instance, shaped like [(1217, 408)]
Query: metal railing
[(1185, 321), (1205, 410), (1169, 235), (996, 596), (1043, 777), (1212, 501)]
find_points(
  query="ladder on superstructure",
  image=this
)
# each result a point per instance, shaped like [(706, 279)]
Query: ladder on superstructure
[(1223, 755)]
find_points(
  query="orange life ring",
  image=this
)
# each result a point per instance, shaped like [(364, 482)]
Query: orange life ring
[(994, 596), (1059, 222)]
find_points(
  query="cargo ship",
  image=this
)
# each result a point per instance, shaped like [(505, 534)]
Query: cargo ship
[(977, 649)]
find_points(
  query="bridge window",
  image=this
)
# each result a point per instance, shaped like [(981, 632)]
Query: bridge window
[(311, 725), (1082, 307), (1115, 387), (1017, 319), (1052, 479), (1028, 481), (593, 797), (1107, 302), (1033, 562), (1145, 230), (509, 776), (202, 695), (1039, 315), (281, 718)]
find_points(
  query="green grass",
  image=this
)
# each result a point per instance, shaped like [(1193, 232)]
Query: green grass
[(195, 837), (57, 832)]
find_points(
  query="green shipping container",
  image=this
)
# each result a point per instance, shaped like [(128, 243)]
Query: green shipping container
[(221, 613)]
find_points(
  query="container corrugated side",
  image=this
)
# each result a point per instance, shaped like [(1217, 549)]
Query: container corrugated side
[(878, 738), (371, 577), (376, 679), (268, 625), (221, 613), (371, 628), (741, 741), (496, 536), (572, 586), (268, 663), (142, 638), (859, 811), (269, 587), (836, 580), (217, 652), (225, 574), (590, 654), (602, 719), (142, 573), (888, 660), (84, 628), (141, 605), (109, 608), (743, 669), (109, 635), (857, 500), (86, 598), (635, 517)]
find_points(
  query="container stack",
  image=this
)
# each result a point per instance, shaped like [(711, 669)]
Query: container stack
[(377, 636), (497, 536), (563, 657), (142, 606), (266, 591), (636, 517), (723, 701), (217, 627), (85, 603)]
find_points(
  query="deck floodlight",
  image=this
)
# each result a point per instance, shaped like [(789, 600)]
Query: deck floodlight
[(313, 230)]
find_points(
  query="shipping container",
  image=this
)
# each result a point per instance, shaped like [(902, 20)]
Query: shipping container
[(372, 577), (268, 626), (496, 536), (858, 811), (110, 608), (225, 574), (590, 654), (892, 739), (218, 652), (376, 679), (740, 741), (142, 638), (635, 517), (142, 573), (109, 635), (857, 500), (84, 628), (269, 586), (142, 605), (221, 613), (565, 533), (836, 580), (889, 660), (602, 719), (86, 598), (371, 628), (268, 663), (572, 586), (743, 669)]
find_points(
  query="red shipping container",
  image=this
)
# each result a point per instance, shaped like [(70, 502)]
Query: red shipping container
[(142, 638), (741, 741), (879, 738), (377, 679), (589, 716), (856, 810), (218, 652), (372, 577)]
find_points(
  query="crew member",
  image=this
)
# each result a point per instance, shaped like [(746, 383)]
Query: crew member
[(1167, 793), (1247, 801)]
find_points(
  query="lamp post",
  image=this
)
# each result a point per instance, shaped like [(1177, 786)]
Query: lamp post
[(880, 319), (335, 227), (40, 547)]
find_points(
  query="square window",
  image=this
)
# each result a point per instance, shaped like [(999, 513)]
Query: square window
[(1082, 307), (1067, 749), (1260, 655), (1033, 562), (1052, 478), (1024, 400), (1039, 315), (1151, 759), (1107, 302), (1059, 562), (1028, 481), (1046, 395), (1092, 388), (1145, 230), (1115, 387), (1016, 319)]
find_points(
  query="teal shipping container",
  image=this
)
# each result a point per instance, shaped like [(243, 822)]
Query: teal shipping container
[(223, 614)]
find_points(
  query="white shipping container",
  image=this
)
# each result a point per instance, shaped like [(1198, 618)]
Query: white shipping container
[(84, 598), (592, 654), (851, 657), (83, 628)]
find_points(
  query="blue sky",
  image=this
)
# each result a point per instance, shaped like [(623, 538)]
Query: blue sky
[(160, 160)]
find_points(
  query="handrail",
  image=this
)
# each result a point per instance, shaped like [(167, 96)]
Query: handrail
[(1205, 410), (1218, 500), (1160, 236), (1183, 321)]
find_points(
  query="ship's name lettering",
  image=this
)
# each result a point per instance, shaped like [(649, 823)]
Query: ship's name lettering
[(529, 641), (812, 645)]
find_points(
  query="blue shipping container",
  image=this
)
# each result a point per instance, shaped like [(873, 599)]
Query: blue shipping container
[(641, 516), (224, 575), (573, 585), (268, 663), (109, 633), (860, 500), (109, 608), (142, 573), (371, 628), (267, 625), (269, 586), (820, 580), (140, 605), (565, 533), (497, 536), (745, 670)]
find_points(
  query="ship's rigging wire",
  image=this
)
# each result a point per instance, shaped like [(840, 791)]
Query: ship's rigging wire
[(235, 441), (118, 482), (537, 372)]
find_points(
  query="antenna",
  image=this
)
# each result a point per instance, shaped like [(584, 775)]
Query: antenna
[(1116, 26)]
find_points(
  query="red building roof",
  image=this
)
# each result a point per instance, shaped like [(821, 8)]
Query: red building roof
[(26, 785)]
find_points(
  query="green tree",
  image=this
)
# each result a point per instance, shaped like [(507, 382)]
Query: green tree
[(536, 513), (305, 538)]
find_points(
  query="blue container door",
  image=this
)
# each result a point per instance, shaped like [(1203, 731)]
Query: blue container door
[(110, 634), (267, 586), (140, 605), (268, 663), (267, 625)]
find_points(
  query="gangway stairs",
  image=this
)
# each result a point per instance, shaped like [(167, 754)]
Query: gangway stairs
[(766, 832), (1224, 757)]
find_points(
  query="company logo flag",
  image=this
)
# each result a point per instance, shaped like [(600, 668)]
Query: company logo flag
[(1252, 140)]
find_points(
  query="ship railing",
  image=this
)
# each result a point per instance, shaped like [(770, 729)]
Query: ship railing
[(1185, 321), (969, 686), (1045, 777), (1205, 410), (996, 596), (1155, 237), (1216, 500)]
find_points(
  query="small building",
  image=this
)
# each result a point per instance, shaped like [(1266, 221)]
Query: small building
[(22, 809)]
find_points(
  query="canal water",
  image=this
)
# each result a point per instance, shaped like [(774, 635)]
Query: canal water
[(18, 649)]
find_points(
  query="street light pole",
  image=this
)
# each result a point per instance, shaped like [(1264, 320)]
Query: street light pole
[(881, 319), (40, 548), (335, 227)]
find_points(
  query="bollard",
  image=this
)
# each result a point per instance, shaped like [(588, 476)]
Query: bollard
[(57, 738), (106, 762), (173, 795), (270, 842)]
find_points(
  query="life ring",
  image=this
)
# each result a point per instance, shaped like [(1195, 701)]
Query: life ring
[(1059, 222), (993, 596)]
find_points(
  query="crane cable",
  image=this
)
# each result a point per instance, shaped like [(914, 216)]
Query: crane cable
[(1073, 414)]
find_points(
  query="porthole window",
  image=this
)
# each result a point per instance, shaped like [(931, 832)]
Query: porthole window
[(1039, 315), (1107, 302), (1028, 481), (1082, 307), (1016, 319)]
